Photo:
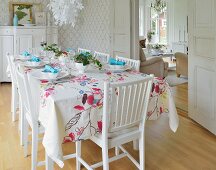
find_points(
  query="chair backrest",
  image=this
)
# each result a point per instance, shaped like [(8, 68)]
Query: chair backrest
[(25, 94), (82, 50), (135, 64), (125, 104), (102, 57), (11, 66)]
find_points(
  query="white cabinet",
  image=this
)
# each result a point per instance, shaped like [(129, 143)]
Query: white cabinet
[(22, 43), (180, 47), (15, 40), (6, 46)]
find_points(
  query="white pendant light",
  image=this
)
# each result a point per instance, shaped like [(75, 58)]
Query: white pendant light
[(65, 11)]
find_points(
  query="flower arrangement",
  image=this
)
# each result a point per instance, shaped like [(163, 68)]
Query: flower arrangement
[(157, 46), (54, 48), (86, 59)]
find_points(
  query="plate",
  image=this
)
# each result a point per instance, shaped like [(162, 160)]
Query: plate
[(21, 57), (113, 69), (40, 75), (33, 64)]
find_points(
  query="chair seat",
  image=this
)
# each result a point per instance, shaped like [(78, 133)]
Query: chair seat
[(119, 137)]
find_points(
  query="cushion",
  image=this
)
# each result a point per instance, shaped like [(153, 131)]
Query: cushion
[(142, 55), (143, 43)]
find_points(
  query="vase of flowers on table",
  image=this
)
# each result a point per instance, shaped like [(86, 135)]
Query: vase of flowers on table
[(55, 51), (83, 60)]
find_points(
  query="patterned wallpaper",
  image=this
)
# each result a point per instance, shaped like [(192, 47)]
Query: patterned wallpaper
[(92, 30)]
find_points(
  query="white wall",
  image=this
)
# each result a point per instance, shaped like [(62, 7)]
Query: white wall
[(92, 30)]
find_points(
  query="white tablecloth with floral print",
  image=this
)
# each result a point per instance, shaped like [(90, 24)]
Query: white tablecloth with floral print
[(72, 110)]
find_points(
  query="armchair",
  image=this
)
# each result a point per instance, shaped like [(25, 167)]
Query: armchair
[(181, 64), (153, 65)]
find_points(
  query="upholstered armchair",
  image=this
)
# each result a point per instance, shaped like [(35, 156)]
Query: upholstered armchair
[(181, 64), (153, 65)]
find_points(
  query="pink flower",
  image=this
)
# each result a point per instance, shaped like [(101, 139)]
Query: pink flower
[(100, 126), (66, 140), (90, 100), (96, 89), (161, 110), (78, 107), (157, 88), (72, 136)]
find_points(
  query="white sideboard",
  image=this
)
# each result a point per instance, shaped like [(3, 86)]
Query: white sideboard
[(180, 47), (15, 40)]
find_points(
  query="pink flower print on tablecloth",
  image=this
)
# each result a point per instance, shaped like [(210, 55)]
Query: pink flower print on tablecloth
[(99, 123), (78, 107), (49, 91), (70, 138)]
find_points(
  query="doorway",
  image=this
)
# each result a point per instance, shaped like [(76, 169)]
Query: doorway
[(167, 24)]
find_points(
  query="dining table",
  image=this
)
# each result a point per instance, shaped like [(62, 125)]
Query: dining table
[(70, 108)]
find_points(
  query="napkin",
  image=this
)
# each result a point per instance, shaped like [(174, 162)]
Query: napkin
[(113, 61), (35, 59), (26, 53), (50, 69)]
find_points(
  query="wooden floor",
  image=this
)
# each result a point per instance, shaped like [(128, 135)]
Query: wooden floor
[(180, 94), (190, 148)]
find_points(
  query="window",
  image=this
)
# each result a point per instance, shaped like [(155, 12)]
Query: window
[(158, 24)]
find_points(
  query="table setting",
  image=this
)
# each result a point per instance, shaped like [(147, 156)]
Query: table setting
[(69, 98)]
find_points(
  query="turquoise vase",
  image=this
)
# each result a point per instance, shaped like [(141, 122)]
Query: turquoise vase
[(15, 20)]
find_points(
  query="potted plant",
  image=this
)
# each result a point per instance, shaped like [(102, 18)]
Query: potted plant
[(149, 35), (62, 55), (82, 61)]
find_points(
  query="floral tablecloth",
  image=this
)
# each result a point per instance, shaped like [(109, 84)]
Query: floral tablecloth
[(72, 110)]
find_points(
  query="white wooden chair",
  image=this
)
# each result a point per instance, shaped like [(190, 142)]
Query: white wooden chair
[(15, 98), (102, 57), (134, 63), (82, 50), (31, 119), (14, 95), (124, 115)]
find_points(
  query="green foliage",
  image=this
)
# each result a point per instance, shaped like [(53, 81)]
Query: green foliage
[(21, 7), (87, 58), (20, 14), (149, 35), (159, 5), (52, 47), (157, 46)]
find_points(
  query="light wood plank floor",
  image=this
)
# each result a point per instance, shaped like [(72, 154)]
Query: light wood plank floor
[(191, 148), (180, 94)]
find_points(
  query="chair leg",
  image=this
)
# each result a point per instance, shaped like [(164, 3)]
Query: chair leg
[(142, 151), (34, 148), (14, 102), (22, 124), (105, 156), (25, 136), (78, 154), (49, 163), (117, 150), (136, 144)]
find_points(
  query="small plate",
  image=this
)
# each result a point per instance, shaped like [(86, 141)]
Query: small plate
[(23, 58), (33, 64), (40, 75), (116, 69)]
